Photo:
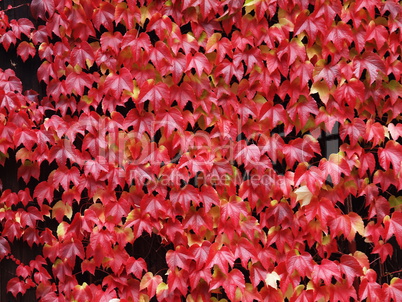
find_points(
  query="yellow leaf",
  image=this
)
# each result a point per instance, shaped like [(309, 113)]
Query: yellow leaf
[(62, 207), (62, 229), (161, 287), (272, 279), (212, 40), (251, 2), (304, 195), (357, 223), (322, 89)]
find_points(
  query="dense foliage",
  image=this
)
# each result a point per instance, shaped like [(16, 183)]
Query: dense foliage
[(180, 150)]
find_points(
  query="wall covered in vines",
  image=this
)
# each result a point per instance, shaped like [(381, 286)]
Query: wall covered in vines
[(201, 150)]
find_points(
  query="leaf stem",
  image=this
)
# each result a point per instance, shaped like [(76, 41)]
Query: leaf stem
[(15, 7), (391, 273)]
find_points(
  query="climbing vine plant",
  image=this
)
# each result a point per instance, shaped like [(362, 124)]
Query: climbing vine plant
[(178, 150)]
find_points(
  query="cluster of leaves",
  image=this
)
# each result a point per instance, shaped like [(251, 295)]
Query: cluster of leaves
[(203, 122)]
